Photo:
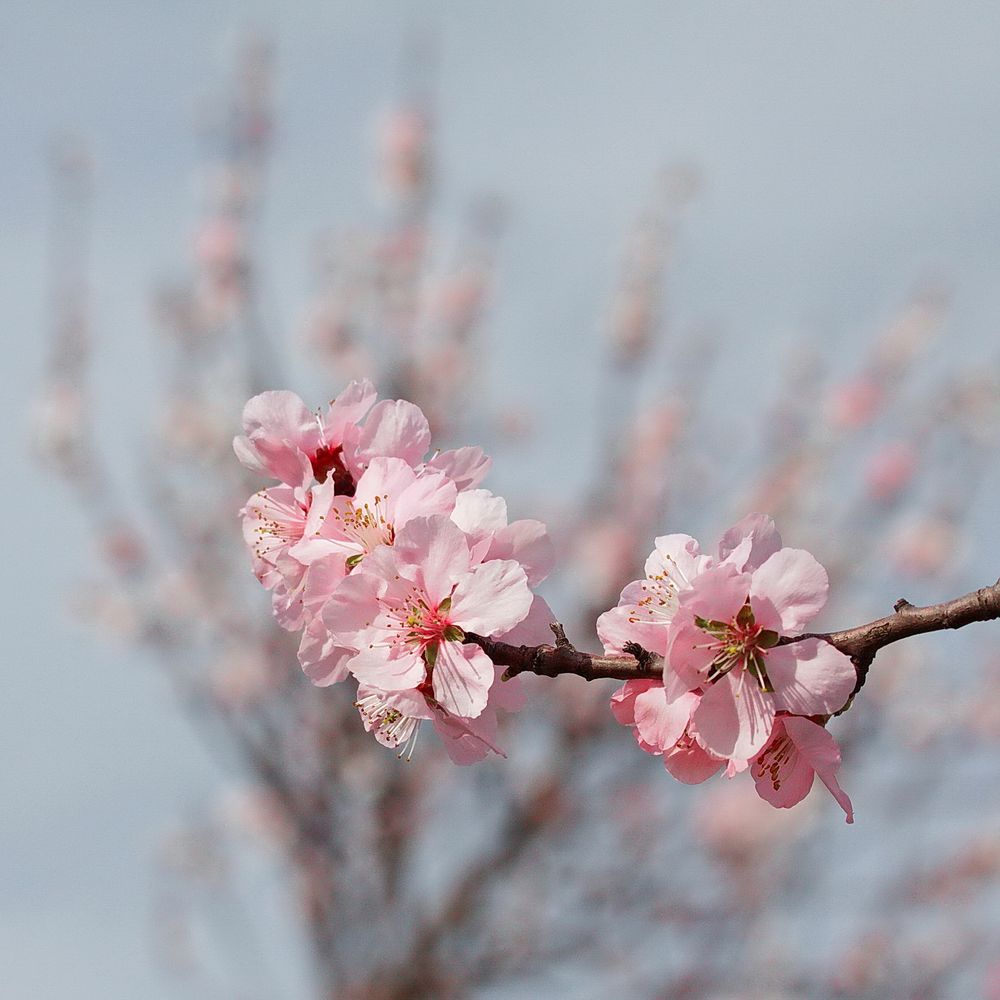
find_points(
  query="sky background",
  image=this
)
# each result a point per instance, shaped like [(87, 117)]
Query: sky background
[(848, 151)]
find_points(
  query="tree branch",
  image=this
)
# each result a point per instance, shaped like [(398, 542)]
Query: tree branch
[(860, 643)]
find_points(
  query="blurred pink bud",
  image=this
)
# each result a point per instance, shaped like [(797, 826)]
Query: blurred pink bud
[(924, 546), (403, 139), (58, 423), (856, 403), (257, 811), (219, 244), (890, 471), (123, 549)]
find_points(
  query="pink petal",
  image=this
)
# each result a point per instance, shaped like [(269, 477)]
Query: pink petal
[(323, 662), (430, 493), (717, 594), (462, 677), (394, 428), (688, 655), (351, 608), (479, 513), (526, 541), (792, 584), (383, 476), (678, 558), (492, 599), (322, 580), (810, 677), (690, 763), (347, 409), (283, 460), (466, 467), (280, 432), (282, 414), (820, 749), (734, 718), (782, 775), (750, 543), (623, 700), (372, 664), (658, 723), (615, 629), (439, 551), (468, 741), (247, 455)]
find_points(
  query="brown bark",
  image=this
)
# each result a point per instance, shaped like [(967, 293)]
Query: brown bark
[(860, 643)]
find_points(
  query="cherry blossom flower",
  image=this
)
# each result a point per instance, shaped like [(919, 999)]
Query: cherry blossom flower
[(394, 719), (273, 521), (646, 607), (389, 493), (664, 728), (340, 531), (725, 641), (798, 750), (407, 609), (283, 439)]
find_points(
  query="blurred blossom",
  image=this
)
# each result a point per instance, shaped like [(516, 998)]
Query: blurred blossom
[(256, 812), (58, 427), (924, 545), (404, 163), (890, 471), (855, 403)]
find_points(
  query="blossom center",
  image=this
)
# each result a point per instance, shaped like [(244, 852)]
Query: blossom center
[(772, 760), (390, 725), (659, 605), (423, 624), (328, 462), (739, 643), (367, 524)]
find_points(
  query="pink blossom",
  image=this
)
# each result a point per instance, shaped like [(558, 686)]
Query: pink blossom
[(389, 493), (321, 658), (657, 723), (664, 728), (407, 609), (273, 521), (797, 751), (340, 531), (483, 518), (688, 761), (725, 641), (285, 440), (646, 607), (395, 717)]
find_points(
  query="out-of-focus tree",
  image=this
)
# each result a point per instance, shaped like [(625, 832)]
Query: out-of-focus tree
[(574, 867)]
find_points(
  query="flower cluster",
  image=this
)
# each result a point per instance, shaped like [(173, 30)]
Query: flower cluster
[(736, 693), (386, 559)]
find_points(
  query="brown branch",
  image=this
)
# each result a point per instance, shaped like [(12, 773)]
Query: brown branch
[(860, 643)]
